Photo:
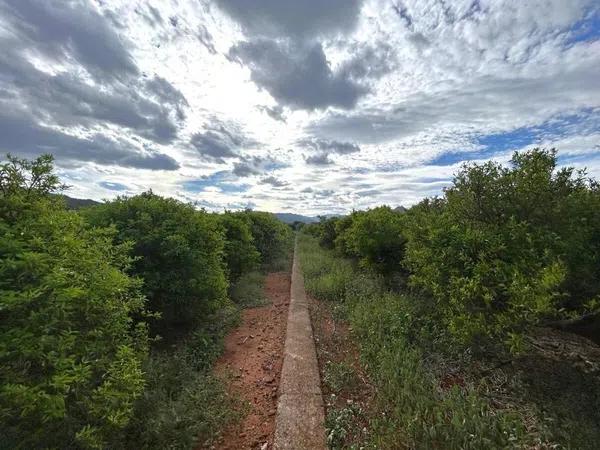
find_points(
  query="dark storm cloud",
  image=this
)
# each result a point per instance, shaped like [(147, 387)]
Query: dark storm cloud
[(286, 58), (370, 61), (221, 140), (296, 75), (22, 135), (63, 29), (299, 19), (150, 107), (324, 145)]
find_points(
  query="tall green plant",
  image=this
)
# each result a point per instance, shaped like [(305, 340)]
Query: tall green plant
[(240, 253), (71, 345), (178, 251), (507, 246)]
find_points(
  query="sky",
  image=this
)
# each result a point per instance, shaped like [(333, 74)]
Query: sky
[(312, 107)]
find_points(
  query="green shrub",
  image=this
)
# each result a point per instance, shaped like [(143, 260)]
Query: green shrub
[(376, 237), (412, 410), (179, 254), (182, 407), (338, 376), (71, 347), (240, 253), (507, 247), (325, 276), (328, 232), (340, 425), (272, 238)]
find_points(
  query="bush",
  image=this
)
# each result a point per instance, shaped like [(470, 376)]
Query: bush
[(182, 407), (179, 254), (376, 237), (508, 247), (411, 409), (240, 253), (272, 238), (71, 351)]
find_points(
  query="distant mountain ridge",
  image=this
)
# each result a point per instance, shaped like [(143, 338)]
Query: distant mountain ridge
[(291, 218), (77, 203)]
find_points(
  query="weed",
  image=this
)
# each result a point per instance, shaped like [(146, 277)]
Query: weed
[(248, 291), (341, 426), (339, 375), (411, 409)]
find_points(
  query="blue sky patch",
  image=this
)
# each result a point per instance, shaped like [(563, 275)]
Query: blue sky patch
[(221, 180), (112, 186)]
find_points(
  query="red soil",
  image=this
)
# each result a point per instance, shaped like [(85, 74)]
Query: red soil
[(254, 356)]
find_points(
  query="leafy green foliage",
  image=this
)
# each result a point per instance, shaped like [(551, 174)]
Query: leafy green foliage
[(412, 410), (71, 347), (248, 290), (507, 247), (272, 238), (376, 237), (181, 407), (178, 253), (240, 253)]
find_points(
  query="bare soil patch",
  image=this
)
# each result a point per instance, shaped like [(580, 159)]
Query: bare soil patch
[(252, 363)]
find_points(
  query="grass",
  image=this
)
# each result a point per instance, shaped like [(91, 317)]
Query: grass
[(339, 375), (418, 402), (248, 291), (184, 406)]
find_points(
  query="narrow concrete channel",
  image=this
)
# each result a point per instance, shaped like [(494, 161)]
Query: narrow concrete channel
[(300, 417)]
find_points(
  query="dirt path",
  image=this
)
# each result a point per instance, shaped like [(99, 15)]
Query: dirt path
[(254, 356)]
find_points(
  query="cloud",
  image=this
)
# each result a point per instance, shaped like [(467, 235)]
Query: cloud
[(321, 159), (206, 39), (324, 145), (69, 29), (300, 19), (255, 165), (275, 113), (297, 76), (220, 141), (150, 107), (112, 186), (21, 134), (151, 15), (273, 181), (361, 102)]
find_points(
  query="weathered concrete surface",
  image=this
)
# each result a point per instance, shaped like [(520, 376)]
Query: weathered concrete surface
[(300, 414)]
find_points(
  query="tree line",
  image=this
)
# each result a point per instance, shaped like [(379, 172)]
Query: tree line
[(451, 304), (504, 248), (90, 300)]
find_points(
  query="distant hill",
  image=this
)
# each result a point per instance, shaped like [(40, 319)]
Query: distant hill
[(78, 203), (291, 218)]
